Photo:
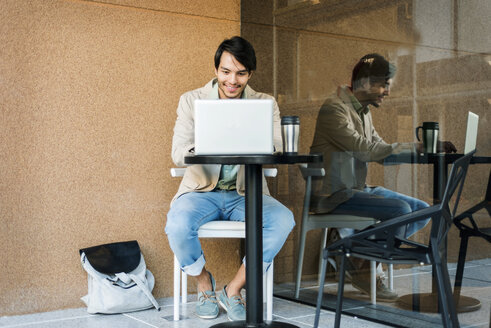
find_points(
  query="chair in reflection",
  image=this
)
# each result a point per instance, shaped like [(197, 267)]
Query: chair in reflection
[(220, 229), (469, 228), (312, 221), (380, 243)]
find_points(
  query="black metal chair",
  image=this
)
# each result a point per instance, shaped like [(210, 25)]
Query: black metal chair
[(469, 228), (382, 243)]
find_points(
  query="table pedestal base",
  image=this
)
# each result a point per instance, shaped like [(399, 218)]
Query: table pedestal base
[(242, 324), (428, 302)]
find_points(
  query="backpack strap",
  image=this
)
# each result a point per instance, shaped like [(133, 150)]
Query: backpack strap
[(126, 278)]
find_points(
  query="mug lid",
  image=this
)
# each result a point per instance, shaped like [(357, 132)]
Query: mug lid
[(430, 125), (290, 120)]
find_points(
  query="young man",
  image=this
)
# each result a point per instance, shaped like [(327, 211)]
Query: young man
[(348, 140), (216, 192)]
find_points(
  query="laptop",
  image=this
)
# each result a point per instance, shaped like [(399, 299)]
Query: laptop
[(471, 132), (233, 126)]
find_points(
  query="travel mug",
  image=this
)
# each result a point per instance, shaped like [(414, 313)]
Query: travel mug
[(290, 129), (430, 136)]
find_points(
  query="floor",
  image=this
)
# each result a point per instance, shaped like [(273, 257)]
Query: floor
[(284, 310), (477, 283)]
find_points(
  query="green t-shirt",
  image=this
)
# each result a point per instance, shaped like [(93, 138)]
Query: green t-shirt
[(228, 177)]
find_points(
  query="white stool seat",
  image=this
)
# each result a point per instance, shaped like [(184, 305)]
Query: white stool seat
[(222, 229), (340, 221)]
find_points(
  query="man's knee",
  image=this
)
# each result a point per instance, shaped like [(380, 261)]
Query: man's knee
[(421, 204), (284, 220), (178, 225), (402, 207)]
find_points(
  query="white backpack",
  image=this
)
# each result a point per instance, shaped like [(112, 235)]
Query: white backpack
[(118, 279)]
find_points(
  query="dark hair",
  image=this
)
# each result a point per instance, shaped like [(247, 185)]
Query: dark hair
[(241, 49), (374, 67)]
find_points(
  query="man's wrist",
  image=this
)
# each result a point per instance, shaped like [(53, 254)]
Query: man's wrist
[(406, 147)]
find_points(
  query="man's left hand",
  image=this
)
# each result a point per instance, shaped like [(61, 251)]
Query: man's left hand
[(446, 146)]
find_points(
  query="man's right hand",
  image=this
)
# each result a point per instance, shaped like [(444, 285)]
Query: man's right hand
[(446, 146), (442, 147)]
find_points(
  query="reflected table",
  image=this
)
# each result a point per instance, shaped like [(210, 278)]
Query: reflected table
[(254, 218), (428, 302)]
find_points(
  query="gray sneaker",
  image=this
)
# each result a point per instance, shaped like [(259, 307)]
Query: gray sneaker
[(235, 306), (207, 306), (362, 283)]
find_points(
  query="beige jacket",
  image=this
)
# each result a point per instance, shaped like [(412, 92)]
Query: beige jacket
[(202, 178), (346, 137)]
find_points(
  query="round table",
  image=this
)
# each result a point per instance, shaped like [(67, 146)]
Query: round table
[(254, 218)]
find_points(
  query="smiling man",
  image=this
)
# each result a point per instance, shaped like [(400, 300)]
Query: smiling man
[(216, 192), (346, 137), (232, 76)]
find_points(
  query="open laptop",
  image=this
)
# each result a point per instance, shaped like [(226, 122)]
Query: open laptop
[(471, 132), (233, 126)]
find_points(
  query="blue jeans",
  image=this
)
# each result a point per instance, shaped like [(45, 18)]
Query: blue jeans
[(192, 210), (381, 204)]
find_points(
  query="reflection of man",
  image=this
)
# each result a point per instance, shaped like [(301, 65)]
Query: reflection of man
[(348, 140), (215, 192)]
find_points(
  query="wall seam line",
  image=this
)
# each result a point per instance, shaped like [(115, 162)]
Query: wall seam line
[(106, 4)]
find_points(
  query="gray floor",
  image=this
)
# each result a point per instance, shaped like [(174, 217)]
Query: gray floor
[(476, 284), (284, 310)]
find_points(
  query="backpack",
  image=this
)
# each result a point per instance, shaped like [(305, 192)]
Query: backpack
[(118, 279)]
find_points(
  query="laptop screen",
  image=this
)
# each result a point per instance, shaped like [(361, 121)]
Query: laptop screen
[(471, 132), (233, 126)]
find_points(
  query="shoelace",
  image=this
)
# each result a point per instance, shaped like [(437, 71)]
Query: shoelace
[(380, 283), (204, 297), (239, 300)]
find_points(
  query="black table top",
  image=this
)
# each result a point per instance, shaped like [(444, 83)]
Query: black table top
[(415, 158), (253, 159)]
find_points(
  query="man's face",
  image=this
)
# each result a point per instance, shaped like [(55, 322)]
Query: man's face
[(232, 77), (375, 91)]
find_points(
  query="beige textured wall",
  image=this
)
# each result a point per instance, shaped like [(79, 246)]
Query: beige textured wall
[(88, 92), (442, 52)]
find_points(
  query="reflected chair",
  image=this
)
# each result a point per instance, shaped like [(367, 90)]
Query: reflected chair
[(220, 229), (312, 221), (380, 242), (469, 228)]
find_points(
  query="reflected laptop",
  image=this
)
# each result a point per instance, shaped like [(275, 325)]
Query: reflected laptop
[(471, 132), (233, 126)]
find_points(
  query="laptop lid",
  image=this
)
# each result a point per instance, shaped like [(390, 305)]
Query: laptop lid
[(233, 126), (471, 132)]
